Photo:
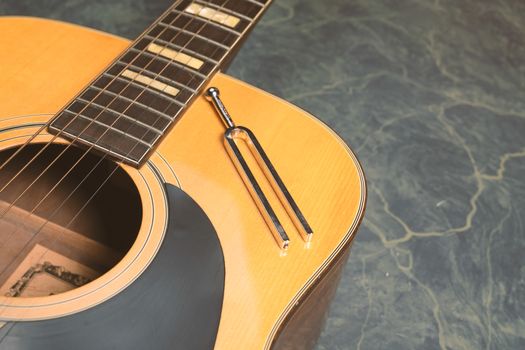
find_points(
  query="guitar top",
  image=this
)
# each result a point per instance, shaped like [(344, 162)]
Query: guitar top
[(132, 215)]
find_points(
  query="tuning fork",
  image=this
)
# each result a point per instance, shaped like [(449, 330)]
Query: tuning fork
[(233, 133)]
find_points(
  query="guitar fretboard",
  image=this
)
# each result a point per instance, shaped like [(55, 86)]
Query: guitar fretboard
[(126, 110)]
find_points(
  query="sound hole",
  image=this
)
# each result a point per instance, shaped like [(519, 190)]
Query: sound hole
[(66, 218)]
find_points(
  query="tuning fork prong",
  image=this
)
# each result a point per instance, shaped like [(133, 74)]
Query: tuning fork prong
[(233, 133)]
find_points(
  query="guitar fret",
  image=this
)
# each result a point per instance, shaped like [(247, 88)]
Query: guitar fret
[(155, 91), (168, 61), (182, 49), (137, 103), (140, 86), (246, 10), (120, 115), (135, 92), (187, 94), (85, 131), (222, 7), (205, 28), (179, 57), (160, 69), (179, 85), (115, 153), (189, 41), (91, 120), (147, 81), (212, 14), (255, 3), (111, 121), (211, 23), (97, 146), (195, 35)]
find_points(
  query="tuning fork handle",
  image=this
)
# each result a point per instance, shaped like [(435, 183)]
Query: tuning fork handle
[(234, 133)]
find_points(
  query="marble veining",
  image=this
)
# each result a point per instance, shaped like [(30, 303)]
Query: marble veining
[(430, 95)]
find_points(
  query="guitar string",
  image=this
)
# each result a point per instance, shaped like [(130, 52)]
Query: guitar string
[(97, 95), (43, 127), (167, 65), (72, 142), (262, 7), (157, 75), (226, 38), (117, 166), (207, 21)]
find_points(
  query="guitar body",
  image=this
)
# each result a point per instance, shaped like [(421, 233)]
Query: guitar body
[(44, 65)]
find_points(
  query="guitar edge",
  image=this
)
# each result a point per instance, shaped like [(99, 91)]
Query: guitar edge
[(270, 299)]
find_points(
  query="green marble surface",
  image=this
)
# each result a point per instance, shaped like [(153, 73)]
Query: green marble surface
[(431, 96)]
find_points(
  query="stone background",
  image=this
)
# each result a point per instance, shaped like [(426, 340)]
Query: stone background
[(430, 95)]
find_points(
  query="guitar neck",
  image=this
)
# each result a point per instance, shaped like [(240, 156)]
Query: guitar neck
[(128, 108)]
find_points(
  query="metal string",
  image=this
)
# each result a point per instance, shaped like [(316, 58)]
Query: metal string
[(147, 85), (75, 139), (94, 168), (74, 218), (87, 105), (115, 121)]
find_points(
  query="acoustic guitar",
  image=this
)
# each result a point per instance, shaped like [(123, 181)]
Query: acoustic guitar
[(127, 216)]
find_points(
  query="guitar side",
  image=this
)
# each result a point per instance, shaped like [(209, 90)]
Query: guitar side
[(267, 295)]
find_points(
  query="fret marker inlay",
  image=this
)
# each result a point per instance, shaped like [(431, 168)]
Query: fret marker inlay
[(150, 82), (180, 57), (149, 86), (213, 15)]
